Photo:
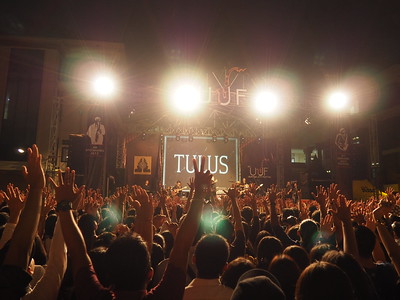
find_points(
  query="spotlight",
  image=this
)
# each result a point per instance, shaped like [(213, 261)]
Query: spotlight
[(104, 85), (143, 136), (186, 98), (308, 121), (178, 137), (338, 100), (214, 138), (21, 150), (265, 102), (190, 138)]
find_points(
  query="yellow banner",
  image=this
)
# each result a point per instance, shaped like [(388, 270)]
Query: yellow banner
[(363, 189)]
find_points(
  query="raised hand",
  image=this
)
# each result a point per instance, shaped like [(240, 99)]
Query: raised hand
[(390, 196), (33, 171), (92, 206), (321, 196), (225, 202), (172, 227), (144, 202), (162, 197), (380, 212), (272, 194), (80, 201), (66, 189), (369, 221), (14, 201), (48, 204), (202, 179), (333, 192), (327, 228), (191, 184), (232, 193), (358, 213), (265, 205), (343, 211), (253, 188), (303, 208), (159, 220), (25, 231), (144, 215)]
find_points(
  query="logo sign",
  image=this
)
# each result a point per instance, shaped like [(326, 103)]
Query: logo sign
[(142, 165), (227, 92), (259, 173), (221, 158)]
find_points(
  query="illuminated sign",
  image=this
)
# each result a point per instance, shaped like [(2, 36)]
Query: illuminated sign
[(221, 158)]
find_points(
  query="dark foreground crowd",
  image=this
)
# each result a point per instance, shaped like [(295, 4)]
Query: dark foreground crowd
[(61, 241)]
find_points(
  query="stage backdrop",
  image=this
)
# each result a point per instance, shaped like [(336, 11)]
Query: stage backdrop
[(221, 159), (258, 160)]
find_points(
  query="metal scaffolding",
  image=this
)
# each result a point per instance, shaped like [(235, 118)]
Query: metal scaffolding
[(51, 161)]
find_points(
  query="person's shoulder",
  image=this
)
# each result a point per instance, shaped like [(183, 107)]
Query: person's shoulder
[(384, 266), (384, 271)]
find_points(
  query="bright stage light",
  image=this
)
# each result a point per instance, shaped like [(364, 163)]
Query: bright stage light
[(265, 102), (104, 86), (185, 91), (338, 100), (186, 98)]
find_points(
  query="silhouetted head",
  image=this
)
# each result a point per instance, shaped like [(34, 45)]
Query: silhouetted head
[(268, 247), (234, 270), (129, 263), (299, 255), (224, 227), (365, 241), (318, 251), (211, 255), (285, 269), (362, 284), (323, 280)]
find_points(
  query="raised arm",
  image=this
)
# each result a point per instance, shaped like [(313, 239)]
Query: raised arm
[(233, 194), (238, 246), (13, 276), (342, 211), (321, 198), (66, 194), (387, 239), (278, 230), (191, 193), (144, 219), (48, 204), (163, 205), (15, 203), (25, 231), (190, 225), (255, 224), (272, 201), (49, 284)]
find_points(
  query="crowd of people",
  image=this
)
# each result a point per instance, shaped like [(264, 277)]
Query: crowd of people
[(61, 241)]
